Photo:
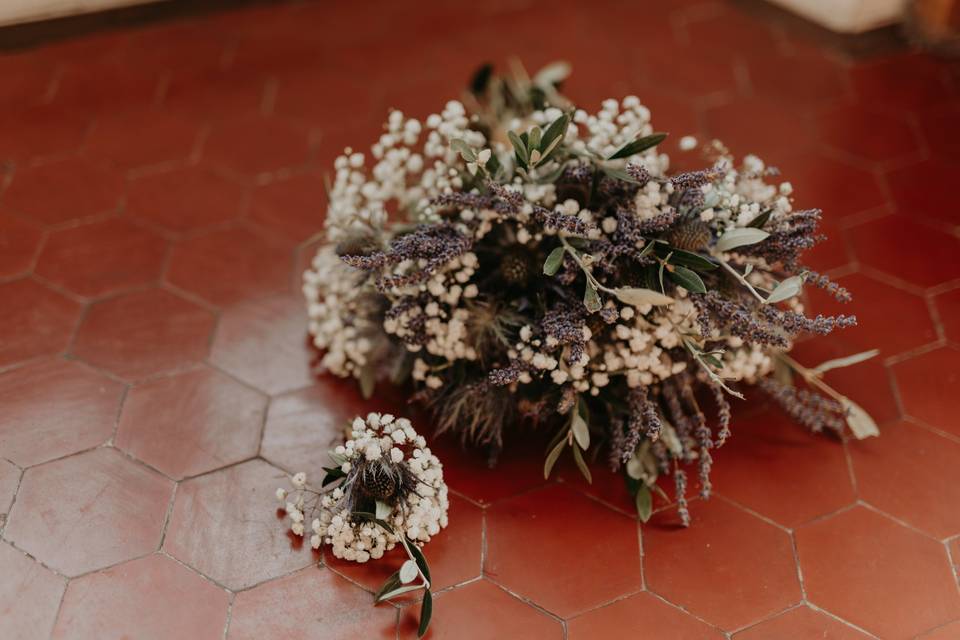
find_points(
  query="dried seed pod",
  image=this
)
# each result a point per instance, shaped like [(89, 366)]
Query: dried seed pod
[(516, 267), (378, 483), (690, 236)]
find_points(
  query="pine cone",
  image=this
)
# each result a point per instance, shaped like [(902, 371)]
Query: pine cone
[(377, 484), (690, 236)]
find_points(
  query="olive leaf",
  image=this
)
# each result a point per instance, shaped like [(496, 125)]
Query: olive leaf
[(581, 432), (408, 572), (553, 136), (382, 510), (553, 261), (466, 151), (426, 612), (333, 474), (761, 219), (644, 502), (639, 297), (860, 423), (845, 362), (741, 237), (519, 148), (619, 174), (591, 300), (688, 279), (578, 458), (533, 141), (552, 457), (685, 258), (785, 290), (552, 74), (393, 583), (636, 146)]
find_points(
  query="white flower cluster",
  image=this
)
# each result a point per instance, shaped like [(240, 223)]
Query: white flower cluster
[(419, 513)]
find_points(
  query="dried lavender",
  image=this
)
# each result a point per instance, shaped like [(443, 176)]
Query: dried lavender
[(812, 410)]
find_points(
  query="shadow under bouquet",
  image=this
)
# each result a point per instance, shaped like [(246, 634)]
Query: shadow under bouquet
[(525, 262)]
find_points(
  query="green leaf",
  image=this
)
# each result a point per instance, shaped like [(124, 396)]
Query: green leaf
[(552, 457), (392, 583), (686, 258), (860, 423), (552, 74), (591, 300), (368, 381), (333, 474), (519, 148), (644, 502), (636, 146), (419, 557), (554, 134), (481, 79), (466, 151), (687, 279), (639, 297), (584, 469), (534, 140), (846, 362), (426, 612), (712, 360), (760, 220), (581, 432), (618, 174), (408, 572), (399, 591), (383, 510), (740, 237), (785, 290), (553, 261)]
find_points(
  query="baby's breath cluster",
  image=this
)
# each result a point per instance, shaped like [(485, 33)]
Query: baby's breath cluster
[(523, 260)]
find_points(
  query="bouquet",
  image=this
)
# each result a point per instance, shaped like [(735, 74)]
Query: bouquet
[(523, 262)]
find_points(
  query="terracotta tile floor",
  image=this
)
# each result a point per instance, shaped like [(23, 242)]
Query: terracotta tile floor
[(160, 188)]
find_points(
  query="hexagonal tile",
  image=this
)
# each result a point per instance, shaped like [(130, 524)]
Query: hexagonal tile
[(215, 95), (560, 519), (293, 206), (801, 622), (228, 266), (636, 617), (192, 422), (903, 81), (160, 137), (814, 79), (946, 632), (804, 475), (923, 189), (64, 190), (928, 385), (948, 307), (29, 596), (954, 548), (837, 187), (728, 568), (853, 129), (877, 574), (759, 126), (89, 511), (464, 613), (9, 481), (306, 97), (19, 241), (102, 257), (225, 525), (876, 328), (54, 407), (832, 253), (185, 199), (143, 333), (30, 78), (36, 131), (454, 554), (136, 599), (101, 86), (35, 322), (315, 602), (911, 474), (256, 145), (698, 73), (924, 256), (937, 124), (264, 343)]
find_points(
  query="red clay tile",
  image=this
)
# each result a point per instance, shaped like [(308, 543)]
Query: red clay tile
[(143, 333), (29, 596), (853, 129), (731, 32), (29, 78), (54, 407), (255, 145), (224, 525), (327, 96), (454, 554), (105, 86), (608, 486), (888, 318), (9, 481), (191, 423), (607, 562), (198, 50), (801, 623), (925, 257), (938, 124), (949, 631), (102, 257), (671, 114), (264, 343), (814, 80), (877, 574), (954, 548), (928, 385), (303, 425), (637, 617), (152, 597), (948, 309), (64, 190), (760, 126), (834, 252), (89, 511), (697, 74), (228, 266), (36, 131), (728, 568), (804, 475), (312, 603), (294, 206), (838, 188), (911, 474), (467, 613), (160, 137), (923, 189), (18, 245), (36, 321), (903, 81), (215, 96), (185, 199)]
